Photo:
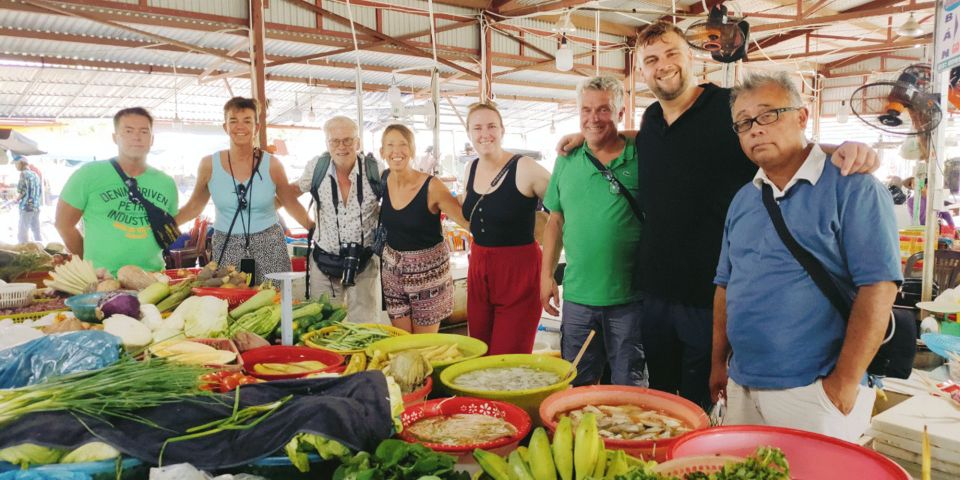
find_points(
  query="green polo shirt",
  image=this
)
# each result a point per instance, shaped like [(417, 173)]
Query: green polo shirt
[(600, 231)]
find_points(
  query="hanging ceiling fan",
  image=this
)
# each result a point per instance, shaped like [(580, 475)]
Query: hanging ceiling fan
[(724, 37), (903, 107)]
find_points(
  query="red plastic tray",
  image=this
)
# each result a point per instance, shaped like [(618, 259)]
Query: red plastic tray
[(283, 353), (233, 296), (810, 455), (452, 405)]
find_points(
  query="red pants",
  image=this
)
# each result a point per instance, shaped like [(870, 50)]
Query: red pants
[(503, 297)]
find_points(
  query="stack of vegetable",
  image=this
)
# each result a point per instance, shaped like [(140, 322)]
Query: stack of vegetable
[(74, 277), (28, 454), (165, 297), (17, 260), (348, 337), (221, 277), (396, 459), (313, 319), (259, 315)]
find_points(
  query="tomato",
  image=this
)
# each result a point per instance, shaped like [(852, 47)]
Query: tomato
[(247, 380), (231, 382)]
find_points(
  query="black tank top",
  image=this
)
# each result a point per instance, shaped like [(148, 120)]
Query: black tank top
[(412, 227), (505, 217)]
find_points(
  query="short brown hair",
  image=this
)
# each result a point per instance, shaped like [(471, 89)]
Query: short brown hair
[(488, 105), (241, 103), (655, 30), (402, 130), (131, 111)]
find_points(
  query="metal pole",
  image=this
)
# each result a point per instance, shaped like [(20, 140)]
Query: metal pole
[(931, 151), (435, 98)]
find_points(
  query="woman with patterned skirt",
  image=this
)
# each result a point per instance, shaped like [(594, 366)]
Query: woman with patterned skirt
[(415, 276)]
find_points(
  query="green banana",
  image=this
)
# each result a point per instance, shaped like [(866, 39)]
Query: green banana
[(586, 446), (563, 448), (618, 464), (518, 467), (524, 454), (601, 465), (493, 465), (541, 460)]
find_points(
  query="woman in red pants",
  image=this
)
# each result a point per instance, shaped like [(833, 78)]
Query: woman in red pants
[(503, 281)]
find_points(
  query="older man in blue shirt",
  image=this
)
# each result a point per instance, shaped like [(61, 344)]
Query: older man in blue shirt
[(794, 360)]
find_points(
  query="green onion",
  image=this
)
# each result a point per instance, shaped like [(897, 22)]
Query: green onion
[(118, 391), (349, 336)]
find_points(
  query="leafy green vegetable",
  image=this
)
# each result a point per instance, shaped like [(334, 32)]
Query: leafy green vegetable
[(767, 463), (27, 454), (399, 460), (90, 452), (305, 443)]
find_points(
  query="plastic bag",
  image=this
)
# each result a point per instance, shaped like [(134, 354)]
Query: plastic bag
[(185, 471), (55, 355)]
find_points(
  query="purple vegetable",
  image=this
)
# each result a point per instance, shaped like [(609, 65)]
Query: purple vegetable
[(119, 302)]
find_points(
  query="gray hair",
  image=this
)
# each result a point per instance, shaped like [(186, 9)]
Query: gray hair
[(603, 83), (754, 81), (341, 120)]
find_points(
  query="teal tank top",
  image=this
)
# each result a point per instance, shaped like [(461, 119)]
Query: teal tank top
[(223, 188)]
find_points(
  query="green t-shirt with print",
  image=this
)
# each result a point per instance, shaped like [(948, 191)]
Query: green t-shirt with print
[(601, 233), (116, 232)]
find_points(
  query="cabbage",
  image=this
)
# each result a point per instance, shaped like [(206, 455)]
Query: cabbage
[(132, 333), (208, 320), (91, 452), (27, 454)]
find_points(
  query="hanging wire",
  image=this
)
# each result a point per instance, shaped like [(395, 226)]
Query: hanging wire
[(596, 35), (359, 75)]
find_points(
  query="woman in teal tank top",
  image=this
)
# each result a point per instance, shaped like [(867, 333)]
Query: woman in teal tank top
[(246, 184)]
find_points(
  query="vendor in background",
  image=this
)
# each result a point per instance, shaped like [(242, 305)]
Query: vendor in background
[(415, 275), (503, 282), (244, 181), (593, 219), (795, 361), (29, 199), (910, 183), (689, 167), (116, 231), (347, 204)]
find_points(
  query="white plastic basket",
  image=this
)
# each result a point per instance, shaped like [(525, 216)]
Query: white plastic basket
[(13, 295)]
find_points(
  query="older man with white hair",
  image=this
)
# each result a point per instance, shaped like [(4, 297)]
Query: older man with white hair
[(796, 358), (594, 215), (345, 188)]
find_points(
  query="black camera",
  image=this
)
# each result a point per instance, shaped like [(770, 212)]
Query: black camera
[(350, 256)]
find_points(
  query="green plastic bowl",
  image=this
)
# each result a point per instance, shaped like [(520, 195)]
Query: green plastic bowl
[(528, 399), (469, 347)]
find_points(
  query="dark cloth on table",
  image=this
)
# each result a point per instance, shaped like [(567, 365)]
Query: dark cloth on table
[(353, 410), (689, 173)]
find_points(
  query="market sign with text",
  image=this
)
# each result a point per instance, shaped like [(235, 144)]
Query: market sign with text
[(948, 35)]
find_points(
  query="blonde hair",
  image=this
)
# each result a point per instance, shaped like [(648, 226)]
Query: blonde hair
[(476, 107), (405, 132)]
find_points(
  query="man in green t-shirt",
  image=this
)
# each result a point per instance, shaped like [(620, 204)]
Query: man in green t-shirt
[(116, 231), (593, 220)]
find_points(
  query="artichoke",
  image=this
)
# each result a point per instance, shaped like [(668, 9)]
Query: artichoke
[(409, 369)]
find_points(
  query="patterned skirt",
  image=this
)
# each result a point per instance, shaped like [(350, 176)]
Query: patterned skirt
[(268, 249), (417, 284)]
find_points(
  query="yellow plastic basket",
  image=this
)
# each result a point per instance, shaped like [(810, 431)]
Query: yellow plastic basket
[(309, 338)]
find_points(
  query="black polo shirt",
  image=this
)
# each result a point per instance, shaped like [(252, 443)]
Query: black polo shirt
[(689, 173)]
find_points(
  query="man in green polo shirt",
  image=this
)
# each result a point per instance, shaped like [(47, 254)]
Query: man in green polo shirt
[(116, 231), (592, 218)]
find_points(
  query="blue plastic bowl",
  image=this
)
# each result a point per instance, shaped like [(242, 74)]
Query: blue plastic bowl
[(85, 306), (941, 344)]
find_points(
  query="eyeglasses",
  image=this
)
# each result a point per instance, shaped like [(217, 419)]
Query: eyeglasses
[(241, 196), (614, 186), (765, 118), (336, 142)]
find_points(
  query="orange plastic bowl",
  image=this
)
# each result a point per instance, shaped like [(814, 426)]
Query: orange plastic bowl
[(673, 405), (419, 395), (233, 296), (453, 405), (287, 354)]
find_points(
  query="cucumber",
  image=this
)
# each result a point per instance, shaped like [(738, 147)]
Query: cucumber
[(263, 298), (154, 293)]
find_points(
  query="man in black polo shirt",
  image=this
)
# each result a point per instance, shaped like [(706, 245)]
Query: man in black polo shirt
[(690, 167)]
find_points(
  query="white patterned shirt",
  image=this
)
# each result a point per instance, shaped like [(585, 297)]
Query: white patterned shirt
[(349, 216)]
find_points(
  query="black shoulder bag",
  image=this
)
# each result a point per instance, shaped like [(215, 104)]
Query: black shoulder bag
[(163, 225), (620, 187), (895, 357)]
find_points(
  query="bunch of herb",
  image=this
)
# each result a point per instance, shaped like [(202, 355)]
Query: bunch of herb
[(399, 460), (766, 463), (116, 391)]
